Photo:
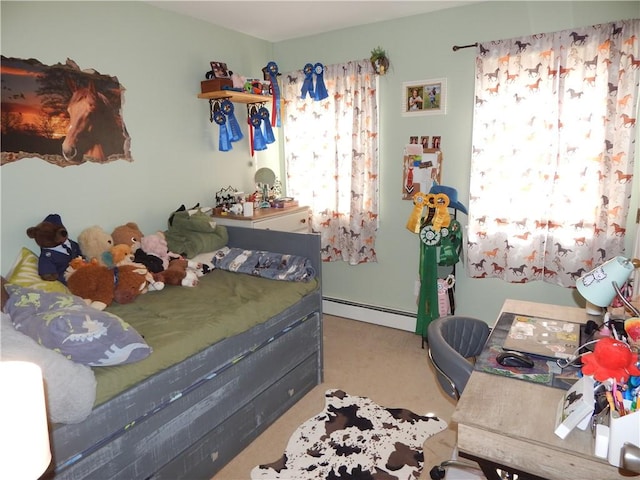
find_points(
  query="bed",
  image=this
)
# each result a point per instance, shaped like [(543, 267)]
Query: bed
[(193, 416)]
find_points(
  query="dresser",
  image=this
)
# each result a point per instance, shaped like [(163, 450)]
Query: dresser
[(289, 219)]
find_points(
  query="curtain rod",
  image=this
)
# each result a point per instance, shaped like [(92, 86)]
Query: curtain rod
[(456, 47)]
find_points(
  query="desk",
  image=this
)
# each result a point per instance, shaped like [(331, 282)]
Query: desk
[(511, 422)]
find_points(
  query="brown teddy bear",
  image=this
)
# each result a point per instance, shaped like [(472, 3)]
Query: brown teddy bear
[(128, 234), (94, 242), (178, 273), (99, 286), (56, 248)]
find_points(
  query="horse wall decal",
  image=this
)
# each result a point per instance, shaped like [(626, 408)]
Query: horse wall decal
[(95, 128)]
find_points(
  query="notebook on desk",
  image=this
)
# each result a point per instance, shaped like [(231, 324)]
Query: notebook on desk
[(542, 336)]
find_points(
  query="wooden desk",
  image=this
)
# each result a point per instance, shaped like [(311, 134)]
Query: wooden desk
[(511, 422)]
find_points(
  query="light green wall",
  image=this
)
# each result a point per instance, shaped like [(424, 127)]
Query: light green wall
[(160, 58), (420, 48)]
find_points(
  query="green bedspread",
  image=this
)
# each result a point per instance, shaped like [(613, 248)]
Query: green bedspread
[(178, 322)]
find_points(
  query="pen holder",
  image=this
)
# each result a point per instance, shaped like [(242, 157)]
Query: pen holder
[(622, 429)]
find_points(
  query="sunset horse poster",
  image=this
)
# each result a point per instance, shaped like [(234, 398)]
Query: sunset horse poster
[(61, 114)]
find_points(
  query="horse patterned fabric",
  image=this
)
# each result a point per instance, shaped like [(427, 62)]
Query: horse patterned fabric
[(354, 438)]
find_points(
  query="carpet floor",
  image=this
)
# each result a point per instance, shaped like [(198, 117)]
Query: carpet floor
[(384, 364)]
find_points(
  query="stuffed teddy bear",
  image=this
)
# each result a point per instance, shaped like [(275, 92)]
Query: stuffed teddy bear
[(99, 286), (56, 248), (128, 234), (94, 242), (178, 273)]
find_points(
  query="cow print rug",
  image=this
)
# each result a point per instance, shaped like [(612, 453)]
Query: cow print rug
[(354, 438)]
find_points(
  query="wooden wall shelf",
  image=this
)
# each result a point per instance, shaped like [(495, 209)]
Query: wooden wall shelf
[(236, 97)]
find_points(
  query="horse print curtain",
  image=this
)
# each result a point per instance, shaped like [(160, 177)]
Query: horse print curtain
[(553, 149), (331, 153), (61, 114)]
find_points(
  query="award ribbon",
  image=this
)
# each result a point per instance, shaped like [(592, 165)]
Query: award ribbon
[(419, 202), (321, 90), (307, 85), (258, 142), (235, 134), (224, 145), (272, 71), (266, 125)]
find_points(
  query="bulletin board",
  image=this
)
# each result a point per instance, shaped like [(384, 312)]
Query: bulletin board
[(422, 167)]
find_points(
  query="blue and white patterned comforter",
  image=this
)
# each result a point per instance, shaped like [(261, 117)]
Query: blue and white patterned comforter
[(276, 266)]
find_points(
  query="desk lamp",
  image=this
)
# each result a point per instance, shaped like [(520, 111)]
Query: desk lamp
[(601, 285), (24, 435)]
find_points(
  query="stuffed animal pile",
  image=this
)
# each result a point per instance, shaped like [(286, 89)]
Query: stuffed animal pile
[(153, 252), (104, 267)]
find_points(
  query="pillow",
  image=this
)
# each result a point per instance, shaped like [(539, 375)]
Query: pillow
[(25, 273), (66, 324), (70, 387)]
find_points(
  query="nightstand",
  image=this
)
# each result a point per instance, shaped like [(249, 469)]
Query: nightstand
[(289, 219)]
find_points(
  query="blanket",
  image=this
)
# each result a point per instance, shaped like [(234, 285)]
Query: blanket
[(70, 387), (259, 263)]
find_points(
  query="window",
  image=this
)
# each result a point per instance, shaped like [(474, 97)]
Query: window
[(553, 148), (331, 151)]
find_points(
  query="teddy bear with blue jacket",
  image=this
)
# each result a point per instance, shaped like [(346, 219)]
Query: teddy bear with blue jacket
[(56, 248)]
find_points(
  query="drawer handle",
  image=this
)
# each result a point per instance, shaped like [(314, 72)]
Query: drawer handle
[(304, 220)]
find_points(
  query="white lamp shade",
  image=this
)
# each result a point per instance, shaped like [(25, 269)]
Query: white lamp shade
[(597, 286), (24, 435)]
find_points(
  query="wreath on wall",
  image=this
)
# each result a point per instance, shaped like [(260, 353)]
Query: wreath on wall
[(379, 61)]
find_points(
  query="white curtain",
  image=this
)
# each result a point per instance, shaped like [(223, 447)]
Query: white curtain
[(331, 153), (553, 152)]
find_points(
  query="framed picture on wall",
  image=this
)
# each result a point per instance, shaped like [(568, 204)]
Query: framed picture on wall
[(424, 97), (220, 70)]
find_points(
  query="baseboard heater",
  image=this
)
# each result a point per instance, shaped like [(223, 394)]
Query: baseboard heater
[(386, 317)]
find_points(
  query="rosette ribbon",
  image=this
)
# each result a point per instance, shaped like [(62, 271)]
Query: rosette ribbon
[(235, 134), (307, 85), (321, 90), (259, 143), (266, 125), (224, 145), (272, 72), (419, 202)]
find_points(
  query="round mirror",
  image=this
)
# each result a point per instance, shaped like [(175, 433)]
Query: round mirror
[(265, 176)]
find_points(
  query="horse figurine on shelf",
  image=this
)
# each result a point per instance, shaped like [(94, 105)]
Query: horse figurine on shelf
[(95, 129)]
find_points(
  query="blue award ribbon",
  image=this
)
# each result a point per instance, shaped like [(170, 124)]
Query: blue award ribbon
[(235, 134), (272, 71), (224, 145), (321, 90), (266, 125), (307, 85), (259, 142)]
